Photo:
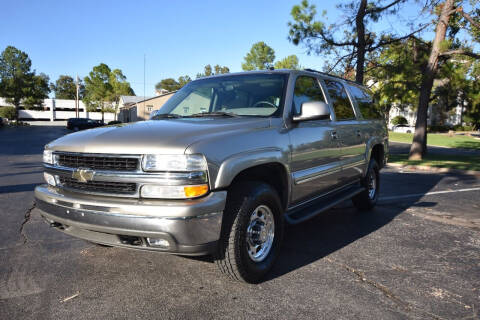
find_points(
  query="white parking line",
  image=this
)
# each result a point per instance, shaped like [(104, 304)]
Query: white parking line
[(426, 194)]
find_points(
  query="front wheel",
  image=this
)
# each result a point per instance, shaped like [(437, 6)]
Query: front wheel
[(367, 199), (252, 232)]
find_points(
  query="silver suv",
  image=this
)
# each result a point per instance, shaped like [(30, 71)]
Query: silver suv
[(221, 168)]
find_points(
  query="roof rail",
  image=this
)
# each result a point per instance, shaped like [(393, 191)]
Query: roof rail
[(330, 75)]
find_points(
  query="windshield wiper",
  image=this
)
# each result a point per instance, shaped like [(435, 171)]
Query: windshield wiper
[(214, 114), (166, 116)]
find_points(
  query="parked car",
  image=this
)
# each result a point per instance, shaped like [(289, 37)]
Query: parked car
[(403, 128), (228, 161), (1, 122), (77, 124)]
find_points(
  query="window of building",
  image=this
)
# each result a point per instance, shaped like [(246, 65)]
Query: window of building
[(149, 108)]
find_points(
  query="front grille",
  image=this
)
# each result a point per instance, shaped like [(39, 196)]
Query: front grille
[(97, 162), (99, 186)]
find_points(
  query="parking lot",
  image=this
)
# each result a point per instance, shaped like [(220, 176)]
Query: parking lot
[(416, 256)]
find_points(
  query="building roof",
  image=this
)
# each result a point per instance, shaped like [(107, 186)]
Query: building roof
[(133, 99)]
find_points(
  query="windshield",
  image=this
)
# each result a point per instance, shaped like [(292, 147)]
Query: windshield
[(239, 95)]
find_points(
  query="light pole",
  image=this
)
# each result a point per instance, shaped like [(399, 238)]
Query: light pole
[(77, 104)]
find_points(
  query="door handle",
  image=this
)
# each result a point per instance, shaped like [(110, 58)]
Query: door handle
[(333, 134)]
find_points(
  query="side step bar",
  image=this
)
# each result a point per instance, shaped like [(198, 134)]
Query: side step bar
[(316, 207)]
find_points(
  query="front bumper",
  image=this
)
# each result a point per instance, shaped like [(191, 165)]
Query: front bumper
[(191, 227)]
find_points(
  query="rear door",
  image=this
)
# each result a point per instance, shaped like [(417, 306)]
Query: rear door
[(315, 154), (349, 133)]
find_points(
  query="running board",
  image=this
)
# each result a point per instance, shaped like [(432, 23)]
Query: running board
[(316, 207)]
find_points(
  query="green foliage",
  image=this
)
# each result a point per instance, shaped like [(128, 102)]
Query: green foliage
[(290, 62), (65, 88), (260, 57), (168, 84), (18, 83), (103, 88), (348, 42), (183, 80), (208, 71), (395, 75), (7, 112), (399, 120)]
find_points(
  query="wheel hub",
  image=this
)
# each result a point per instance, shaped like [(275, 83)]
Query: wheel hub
[(260, 233)]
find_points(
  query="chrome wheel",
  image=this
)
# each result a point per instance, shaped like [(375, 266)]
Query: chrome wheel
[(260, 233), (372, 184)]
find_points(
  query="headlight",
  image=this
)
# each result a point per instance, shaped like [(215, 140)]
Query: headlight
[(49, 157), (174, 162)]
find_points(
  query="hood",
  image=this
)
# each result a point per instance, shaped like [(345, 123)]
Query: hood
[(168, 136)]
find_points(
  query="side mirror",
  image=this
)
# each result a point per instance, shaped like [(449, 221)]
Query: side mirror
[(313, 110)]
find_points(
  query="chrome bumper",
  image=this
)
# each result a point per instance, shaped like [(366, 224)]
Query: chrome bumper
[(190, 226)]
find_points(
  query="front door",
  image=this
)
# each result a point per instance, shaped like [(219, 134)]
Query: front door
[(315, 153)]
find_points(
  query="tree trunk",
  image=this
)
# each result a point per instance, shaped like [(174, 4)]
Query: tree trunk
[(17, 111), (361, 44), (419, 144)]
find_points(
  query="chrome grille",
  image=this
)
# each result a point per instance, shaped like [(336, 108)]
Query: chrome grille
[(108, 163), (99, 186)]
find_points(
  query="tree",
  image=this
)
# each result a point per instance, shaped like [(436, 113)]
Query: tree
[(290, 62), (168, 84), (440, 48), (260, 57), (221, 70), (103, 88), (357, 42), (396, 73), (18, 83), (399, 120), (66, 88), (208, 71), (183, 80), (120, 87)]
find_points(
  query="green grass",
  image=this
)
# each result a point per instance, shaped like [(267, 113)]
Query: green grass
[(460, 162), (439, 139)]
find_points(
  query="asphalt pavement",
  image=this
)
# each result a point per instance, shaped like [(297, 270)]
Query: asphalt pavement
[(415, 256)]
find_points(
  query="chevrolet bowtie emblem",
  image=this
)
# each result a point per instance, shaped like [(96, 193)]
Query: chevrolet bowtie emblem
[(83, 175)]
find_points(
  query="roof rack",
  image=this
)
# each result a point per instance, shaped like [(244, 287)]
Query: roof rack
[(330, 75)]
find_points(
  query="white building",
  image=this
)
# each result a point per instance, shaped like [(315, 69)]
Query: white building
[(61, 110)]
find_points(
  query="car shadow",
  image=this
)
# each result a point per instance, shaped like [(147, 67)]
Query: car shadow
[(341, 226), (18, 188)]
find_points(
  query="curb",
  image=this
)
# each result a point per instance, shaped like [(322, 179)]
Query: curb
[(433, 169)]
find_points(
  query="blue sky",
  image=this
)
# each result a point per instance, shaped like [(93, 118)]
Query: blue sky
[(177, 37)]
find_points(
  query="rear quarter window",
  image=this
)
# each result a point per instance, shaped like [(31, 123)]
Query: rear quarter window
[(366, 104)]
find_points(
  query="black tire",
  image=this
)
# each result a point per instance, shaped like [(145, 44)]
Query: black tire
[(76, 129), (232, 255), (365, 200)]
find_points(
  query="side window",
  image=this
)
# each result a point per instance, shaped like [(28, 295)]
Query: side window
[(341, 104), (365, 103), (306, 89)]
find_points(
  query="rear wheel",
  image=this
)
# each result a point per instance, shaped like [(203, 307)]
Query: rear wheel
[(252, 232), (367, 199)]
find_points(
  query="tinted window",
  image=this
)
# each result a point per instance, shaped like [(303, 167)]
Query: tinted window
[(341, 103), (306, 89), (365, 103)]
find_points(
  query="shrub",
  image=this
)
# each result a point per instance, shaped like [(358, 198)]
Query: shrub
[(399, 120), (459, 127), (438, 128), (7, 112)]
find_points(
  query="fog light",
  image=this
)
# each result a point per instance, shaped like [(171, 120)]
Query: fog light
[(157, 242), (50, 179)]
